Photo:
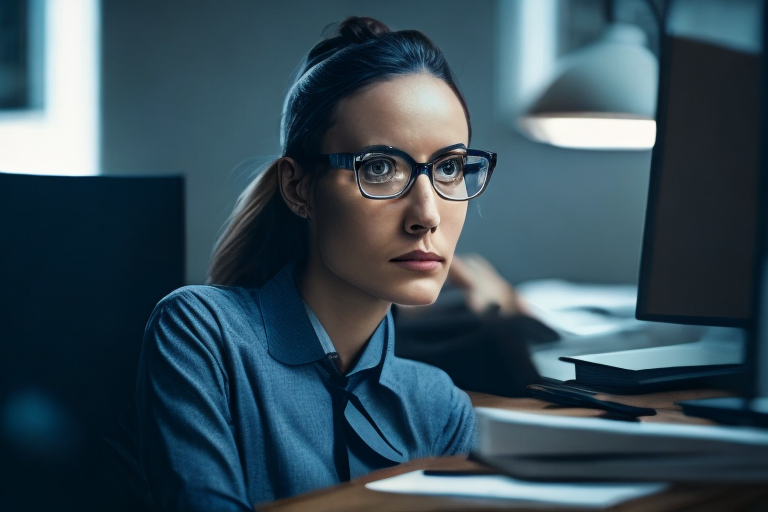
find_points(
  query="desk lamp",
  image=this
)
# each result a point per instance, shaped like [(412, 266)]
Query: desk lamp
[(603, 96)]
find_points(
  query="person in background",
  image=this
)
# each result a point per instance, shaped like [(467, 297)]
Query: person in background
[(280, 376), (484, 288)]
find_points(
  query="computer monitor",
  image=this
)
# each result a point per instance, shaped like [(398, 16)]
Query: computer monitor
[(700, 244), (703, 244)]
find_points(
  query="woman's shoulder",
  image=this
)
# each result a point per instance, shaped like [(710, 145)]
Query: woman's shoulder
[(213, 305), (210, 296)]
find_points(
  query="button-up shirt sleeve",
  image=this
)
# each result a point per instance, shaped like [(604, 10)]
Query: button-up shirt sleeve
[(460, 431), (186, 445)]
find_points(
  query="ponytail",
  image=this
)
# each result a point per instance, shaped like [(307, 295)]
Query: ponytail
[(261, 236)]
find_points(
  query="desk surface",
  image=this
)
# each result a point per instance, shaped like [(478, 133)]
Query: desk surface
[(353, 496)]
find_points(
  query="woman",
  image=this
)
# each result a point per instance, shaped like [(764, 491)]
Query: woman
[(281, 378)]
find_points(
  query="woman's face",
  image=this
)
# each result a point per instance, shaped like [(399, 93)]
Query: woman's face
[(376, 247)]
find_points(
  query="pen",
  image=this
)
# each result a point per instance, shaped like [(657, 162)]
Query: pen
[(566, 395)]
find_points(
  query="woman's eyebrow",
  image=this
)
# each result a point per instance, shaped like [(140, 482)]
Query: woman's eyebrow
[(448, 149), (442, 151)]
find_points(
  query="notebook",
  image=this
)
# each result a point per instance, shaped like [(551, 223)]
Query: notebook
[(657, 368)]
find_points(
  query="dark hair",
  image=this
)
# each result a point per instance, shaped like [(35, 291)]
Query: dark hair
[(262, 234)]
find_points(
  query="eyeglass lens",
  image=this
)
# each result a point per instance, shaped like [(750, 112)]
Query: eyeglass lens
[(454, 176)]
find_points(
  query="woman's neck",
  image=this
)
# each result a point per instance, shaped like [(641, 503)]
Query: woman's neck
[(348, 314)]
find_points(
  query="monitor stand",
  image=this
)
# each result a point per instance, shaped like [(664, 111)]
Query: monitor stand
[(739, 410)]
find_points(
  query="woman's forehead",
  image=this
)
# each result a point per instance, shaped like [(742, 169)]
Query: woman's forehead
[(417, 113)]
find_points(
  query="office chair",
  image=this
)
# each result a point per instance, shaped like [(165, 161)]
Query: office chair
[(83, 262)]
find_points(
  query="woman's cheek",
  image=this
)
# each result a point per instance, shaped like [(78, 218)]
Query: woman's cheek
[(455, 217)]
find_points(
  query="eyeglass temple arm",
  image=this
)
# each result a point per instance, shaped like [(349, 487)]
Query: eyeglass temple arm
[(339, 160)]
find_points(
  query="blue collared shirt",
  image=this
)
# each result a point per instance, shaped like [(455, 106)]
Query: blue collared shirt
[(238, 401)]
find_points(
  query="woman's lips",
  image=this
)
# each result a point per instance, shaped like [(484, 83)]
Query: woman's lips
[(419, 260)]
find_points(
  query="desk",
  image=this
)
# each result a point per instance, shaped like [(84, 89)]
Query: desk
[(353, 496)]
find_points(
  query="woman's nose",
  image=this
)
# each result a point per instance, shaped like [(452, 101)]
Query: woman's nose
[(422, 214)]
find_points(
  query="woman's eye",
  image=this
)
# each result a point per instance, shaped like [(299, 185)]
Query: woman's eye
[(449, 170), (378, 170)]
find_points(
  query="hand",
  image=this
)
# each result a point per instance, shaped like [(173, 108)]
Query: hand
[(483, 287)]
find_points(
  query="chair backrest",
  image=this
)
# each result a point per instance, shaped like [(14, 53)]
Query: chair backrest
[(83, 260)]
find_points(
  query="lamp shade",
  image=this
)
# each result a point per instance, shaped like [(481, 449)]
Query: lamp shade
[(603, 96)]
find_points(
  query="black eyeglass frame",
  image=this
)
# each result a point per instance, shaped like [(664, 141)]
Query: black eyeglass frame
[(353, 162)]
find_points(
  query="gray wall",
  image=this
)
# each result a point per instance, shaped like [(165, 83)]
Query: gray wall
[(196, 86)]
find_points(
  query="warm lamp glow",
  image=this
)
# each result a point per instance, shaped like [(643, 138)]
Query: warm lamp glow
[(588, 131)]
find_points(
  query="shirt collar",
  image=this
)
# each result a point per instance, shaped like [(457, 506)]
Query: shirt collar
[(373, 351), (325, 340), (289, 332), (290, 324)]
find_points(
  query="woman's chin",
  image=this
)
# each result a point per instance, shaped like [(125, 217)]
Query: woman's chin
[(423, 296)]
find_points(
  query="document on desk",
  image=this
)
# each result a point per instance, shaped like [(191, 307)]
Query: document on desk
[(548, 446), (597, 495), (581, 309)]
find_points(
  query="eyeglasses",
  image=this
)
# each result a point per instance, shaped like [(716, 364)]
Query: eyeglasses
[(384, 172)]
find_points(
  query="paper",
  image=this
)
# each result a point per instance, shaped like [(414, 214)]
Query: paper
[(581, 309), (614, 299), (497, 486)]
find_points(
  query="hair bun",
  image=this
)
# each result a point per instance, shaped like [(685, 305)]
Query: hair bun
[(359, 29), (352, 30)]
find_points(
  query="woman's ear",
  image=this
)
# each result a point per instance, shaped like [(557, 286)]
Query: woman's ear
[(294, 186)]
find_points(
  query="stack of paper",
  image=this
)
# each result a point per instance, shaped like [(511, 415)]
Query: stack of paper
[(560, 447)]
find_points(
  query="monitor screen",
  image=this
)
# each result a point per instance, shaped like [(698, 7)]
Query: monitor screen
[(700, 243)]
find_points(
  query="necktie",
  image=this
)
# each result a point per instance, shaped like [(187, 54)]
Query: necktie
[(365, 446)]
